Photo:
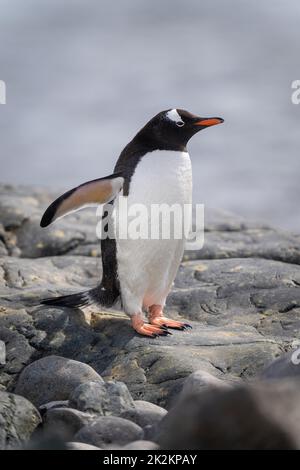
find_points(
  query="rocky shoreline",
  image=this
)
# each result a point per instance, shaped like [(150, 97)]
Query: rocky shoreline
[(72, 376)]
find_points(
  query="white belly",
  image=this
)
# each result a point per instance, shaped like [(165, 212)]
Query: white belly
[(147, 267)]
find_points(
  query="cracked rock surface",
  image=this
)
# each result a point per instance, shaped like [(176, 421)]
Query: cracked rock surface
[(241, 294), (18, 419)]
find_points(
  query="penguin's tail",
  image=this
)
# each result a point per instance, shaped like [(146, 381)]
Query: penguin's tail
[(98, 295)]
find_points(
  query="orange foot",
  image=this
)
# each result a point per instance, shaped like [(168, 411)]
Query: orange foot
[(146, 329), (156, 318)]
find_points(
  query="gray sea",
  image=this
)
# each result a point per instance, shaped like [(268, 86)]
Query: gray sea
[(83, 76)]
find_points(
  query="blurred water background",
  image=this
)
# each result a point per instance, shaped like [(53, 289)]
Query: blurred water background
[(83, 76)]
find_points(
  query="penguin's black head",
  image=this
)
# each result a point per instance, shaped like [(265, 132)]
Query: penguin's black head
[(173, 128)]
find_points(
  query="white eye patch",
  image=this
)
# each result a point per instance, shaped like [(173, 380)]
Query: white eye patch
[(174, 116)]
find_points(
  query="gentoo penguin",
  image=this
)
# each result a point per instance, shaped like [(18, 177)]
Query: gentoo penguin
[(154, 168)]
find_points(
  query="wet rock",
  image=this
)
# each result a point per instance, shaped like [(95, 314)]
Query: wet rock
[(18, 418), (53, 378), (245, 417), (108, 430), (104, 398), (144, 413)]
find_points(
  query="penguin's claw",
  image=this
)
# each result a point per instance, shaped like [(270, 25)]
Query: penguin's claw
[(151, 330), (165, 328), (146, 329), (169, 323)]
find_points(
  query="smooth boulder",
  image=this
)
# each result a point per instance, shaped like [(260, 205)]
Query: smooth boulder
[(53, 378)]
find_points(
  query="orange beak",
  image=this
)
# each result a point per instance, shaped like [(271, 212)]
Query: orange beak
[(208, 122)]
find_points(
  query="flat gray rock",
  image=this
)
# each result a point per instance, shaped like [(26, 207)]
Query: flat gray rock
[(18, 418), (53, 378), (247, 241)]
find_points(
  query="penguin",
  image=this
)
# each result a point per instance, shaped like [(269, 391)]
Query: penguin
[(153, 168)]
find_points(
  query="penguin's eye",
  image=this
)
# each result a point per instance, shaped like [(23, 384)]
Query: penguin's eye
[(180, 123)]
